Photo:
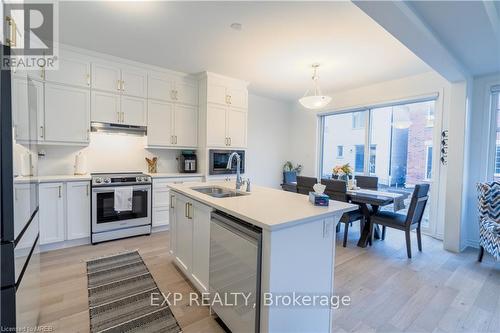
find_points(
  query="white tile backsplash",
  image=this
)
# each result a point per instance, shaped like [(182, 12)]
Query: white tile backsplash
[(107, 152)]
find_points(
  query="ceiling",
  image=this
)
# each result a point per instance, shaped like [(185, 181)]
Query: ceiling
[(469, 29), (273, 51)]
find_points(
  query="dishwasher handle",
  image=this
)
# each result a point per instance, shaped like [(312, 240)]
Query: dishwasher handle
[(241, 228)]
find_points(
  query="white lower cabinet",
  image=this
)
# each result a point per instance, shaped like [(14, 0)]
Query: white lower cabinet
[(190, 240), (51, 203), (78, 210)]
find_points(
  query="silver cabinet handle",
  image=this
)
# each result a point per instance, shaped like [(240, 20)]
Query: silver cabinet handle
[(59, 188), (175, 136), (230, 142), (118, 85), (186, 210), (123, 85), (172, 201), (15, 194), (87, 190), (42, 132), (190, 211)]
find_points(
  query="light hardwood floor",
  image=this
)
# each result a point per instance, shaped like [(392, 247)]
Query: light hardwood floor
[(436, 291)]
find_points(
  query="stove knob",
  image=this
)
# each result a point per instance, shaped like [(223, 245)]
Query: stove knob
[(144, 179), (98, 180), (107, 180)]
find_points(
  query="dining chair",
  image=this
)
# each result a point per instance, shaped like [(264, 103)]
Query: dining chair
[(305, 184), (337, 190), (368, 182), (489, 219), (407, 222)]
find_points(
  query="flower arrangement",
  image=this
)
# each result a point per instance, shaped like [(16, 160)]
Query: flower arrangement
[(341, 170)]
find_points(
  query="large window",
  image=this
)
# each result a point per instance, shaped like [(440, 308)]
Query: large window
[(393, 143)]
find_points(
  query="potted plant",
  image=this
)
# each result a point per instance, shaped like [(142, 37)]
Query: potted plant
[(342, 172), (290, 172)]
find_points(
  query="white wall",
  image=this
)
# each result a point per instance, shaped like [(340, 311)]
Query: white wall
[(268, 140), (305, 126), (480, 150), (107, 152)]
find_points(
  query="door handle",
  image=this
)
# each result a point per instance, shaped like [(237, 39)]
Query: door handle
[(123, 85), (175, 139), (229, 140), (12, 41), (87, 190), (186, 210), (118, 85), (42, 132), (172, 201), (190, 210)]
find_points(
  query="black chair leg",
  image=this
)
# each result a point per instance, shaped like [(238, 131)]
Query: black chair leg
[(419, 240), (408, 244), (481, 253), (383, 232), (370, 238), (346, 232)]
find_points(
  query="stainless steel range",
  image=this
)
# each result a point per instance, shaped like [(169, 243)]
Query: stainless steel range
[(110, 223)]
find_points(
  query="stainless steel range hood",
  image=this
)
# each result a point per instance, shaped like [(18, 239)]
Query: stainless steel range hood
[(118, 128)]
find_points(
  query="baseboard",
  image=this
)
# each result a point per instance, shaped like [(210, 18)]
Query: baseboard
[(472, 243), (160, 228)]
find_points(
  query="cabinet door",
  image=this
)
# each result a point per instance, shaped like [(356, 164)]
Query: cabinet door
[(186, 125), (23, 195), (216, 126), (238, 97), (78, 209), (134, 83), (161, 87), (184, 226), (134, 111), (216, 93), (27, 109), (160, 123), (237, 127), (71, 71), (106, 77), (186, 92), (51, 203), (67, 114), (173, 224), (201, 244), (105, 107)]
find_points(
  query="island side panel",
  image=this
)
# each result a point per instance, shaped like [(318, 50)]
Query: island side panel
[(301, 259)]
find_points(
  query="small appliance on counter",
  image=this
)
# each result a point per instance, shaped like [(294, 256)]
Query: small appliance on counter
[(187, 161), (80, 164)]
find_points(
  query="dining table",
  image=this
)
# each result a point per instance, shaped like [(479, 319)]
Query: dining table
[(375, 199)]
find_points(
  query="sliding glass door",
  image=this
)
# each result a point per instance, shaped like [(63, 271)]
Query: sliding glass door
[(394, 143)]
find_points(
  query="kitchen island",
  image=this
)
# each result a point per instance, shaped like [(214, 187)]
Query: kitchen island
[(296, 251)]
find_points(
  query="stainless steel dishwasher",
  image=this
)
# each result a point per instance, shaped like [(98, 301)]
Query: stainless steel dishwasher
[(235, 260)]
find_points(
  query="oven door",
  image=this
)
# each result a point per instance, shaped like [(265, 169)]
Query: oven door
[(104, 216), (218, 162)]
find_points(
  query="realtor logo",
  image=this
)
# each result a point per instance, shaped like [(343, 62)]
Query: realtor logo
[(30, 29)]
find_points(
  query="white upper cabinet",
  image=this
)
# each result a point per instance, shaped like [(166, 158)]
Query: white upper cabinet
[(216, 126), (134, 111), (236, 127), (225, 102), (171, 88), (186, 91), (124, 80), (186, 125), (106, 77), (105, 107), (78, 210), (134, 83), (66, 114), (27, 109), (73, 70), (160, 123)]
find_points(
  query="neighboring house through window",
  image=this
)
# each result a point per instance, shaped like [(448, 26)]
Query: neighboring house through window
[(340, 151), (373, 159), (428, 162), (359, 158)]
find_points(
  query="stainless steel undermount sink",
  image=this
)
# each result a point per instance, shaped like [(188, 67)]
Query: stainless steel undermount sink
[(218, 192)]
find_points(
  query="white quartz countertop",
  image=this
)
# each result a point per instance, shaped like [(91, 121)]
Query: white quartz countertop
[(51, 179), (265, 207), (173, 175)]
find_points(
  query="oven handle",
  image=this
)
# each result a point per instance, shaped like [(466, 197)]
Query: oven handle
[(146, 188)]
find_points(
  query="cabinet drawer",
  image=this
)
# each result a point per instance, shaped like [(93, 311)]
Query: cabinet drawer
[(160, 216)]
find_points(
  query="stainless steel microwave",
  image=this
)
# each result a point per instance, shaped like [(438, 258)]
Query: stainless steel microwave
[(218, 162)]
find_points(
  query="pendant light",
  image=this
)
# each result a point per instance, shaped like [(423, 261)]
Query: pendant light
[(314, 99)]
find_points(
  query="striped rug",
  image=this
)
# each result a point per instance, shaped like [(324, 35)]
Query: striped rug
[(119, 291)]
